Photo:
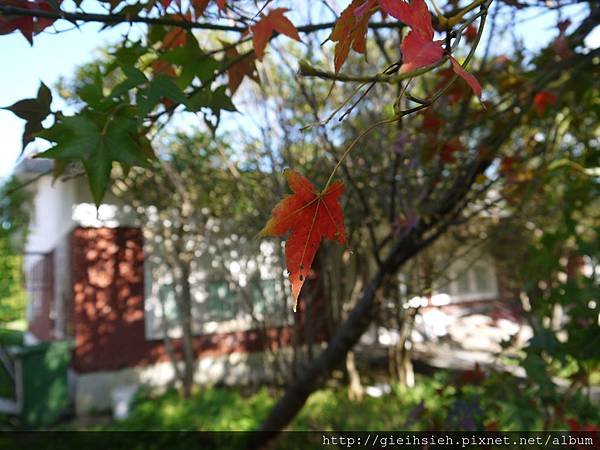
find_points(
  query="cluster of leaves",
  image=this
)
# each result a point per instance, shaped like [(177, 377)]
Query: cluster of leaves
[(298, 213), (419, 49), (117, 101)]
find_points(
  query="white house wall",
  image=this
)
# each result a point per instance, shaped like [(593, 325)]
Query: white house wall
[(51, 216), (93, 391), (60, 206)]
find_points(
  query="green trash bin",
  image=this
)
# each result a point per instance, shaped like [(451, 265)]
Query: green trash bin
[(42, 380)]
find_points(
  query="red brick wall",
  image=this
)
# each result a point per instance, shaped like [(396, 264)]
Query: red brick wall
[(108, 307)]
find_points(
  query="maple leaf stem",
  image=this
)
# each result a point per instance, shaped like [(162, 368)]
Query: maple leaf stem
[(353, 144)]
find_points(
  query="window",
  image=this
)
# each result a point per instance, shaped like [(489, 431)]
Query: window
[(217, 307), (226, 297), (264, 297), (471, 281), (220, 303)]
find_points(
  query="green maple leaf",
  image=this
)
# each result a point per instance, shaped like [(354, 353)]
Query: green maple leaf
[(96, 141), (216, 101), (160, 87)]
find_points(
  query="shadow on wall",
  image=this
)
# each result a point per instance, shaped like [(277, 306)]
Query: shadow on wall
[(108, 309)]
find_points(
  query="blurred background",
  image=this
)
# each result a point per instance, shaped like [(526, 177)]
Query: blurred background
[(161, 309)]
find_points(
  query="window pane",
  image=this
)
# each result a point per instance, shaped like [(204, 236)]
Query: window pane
[(483, 282), (220, 302), (264, 296), (166, 295), (462, 283)]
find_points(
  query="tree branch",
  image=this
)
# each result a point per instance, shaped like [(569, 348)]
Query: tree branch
[(115, 19)]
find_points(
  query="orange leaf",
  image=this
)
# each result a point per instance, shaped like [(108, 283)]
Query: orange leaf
[(263, 30), (351, 29), (309, 216), (470, 79)]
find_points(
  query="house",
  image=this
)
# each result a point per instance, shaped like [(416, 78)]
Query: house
[(92, 279), (87, 277)]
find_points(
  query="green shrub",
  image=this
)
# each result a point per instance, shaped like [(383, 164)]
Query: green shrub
[(444, 401)]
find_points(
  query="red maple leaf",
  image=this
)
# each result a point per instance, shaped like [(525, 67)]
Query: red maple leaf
[(175, 38), (471, 33), (431, 120), (414, 14), (470, 79), (448, 150), (264, 28), (418, 47), (350, 30), (418, 52), (542, 100), (201, 5), (27, 25), (309, 216), (245, 67)]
